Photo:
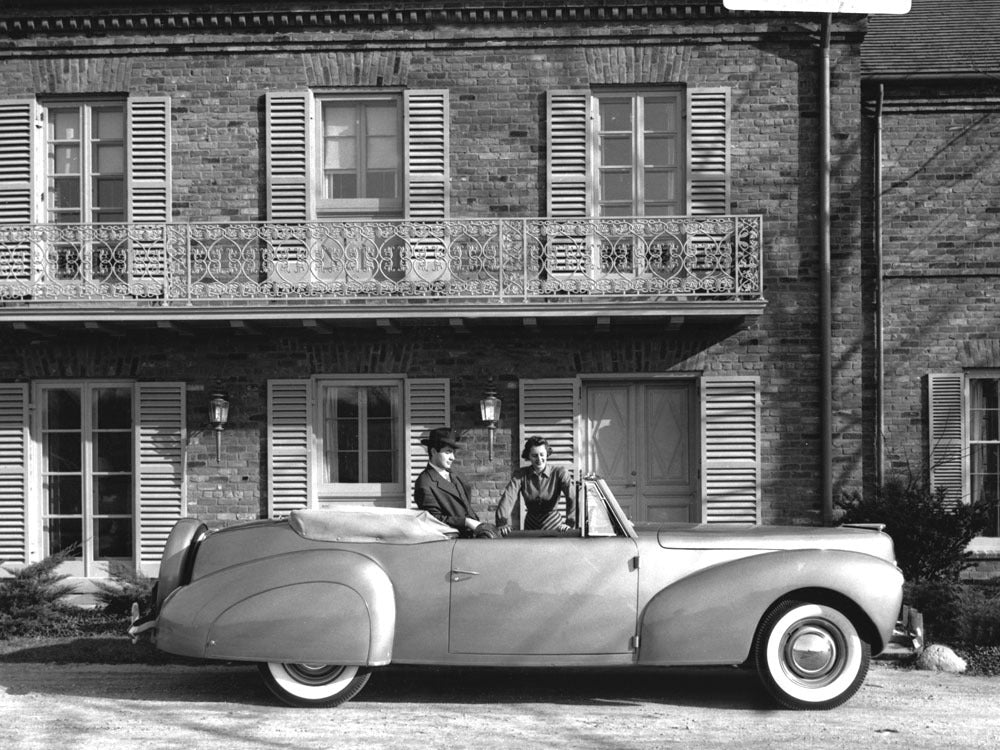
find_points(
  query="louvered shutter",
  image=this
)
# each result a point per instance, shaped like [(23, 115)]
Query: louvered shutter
[(149, 180), (566, 191), (17, 143), (289, 116), (13, 471), (947, 434), (708, 151), (160, 467), (428, 406), (548, 407), (289, 430), (427, 194), (730, 418)]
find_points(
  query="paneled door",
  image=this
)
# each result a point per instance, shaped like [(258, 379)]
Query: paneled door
[(642, 438)]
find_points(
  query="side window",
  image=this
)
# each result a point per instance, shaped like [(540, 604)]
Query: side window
[(361, 156), (639, 153)]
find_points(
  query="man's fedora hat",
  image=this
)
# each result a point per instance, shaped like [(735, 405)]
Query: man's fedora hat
[(441, 437)]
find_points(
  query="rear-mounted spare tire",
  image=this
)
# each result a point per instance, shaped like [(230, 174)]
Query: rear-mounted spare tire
[(178, 557)]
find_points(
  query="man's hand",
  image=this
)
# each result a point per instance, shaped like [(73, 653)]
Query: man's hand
[(504, 530)]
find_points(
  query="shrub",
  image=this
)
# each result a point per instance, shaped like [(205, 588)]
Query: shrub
[(124, 586), (930, 534), (31, 601)]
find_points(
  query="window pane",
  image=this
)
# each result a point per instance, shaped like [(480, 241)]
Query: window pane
[(67, 160), (347, 435), (342, 186), (347, 468), (65, 192), (616, 151), (380, 467), (381, 185), (64, 124), (64, 495), (380, 402), (660, 115), (112, 538), (347, 402), (617, 210), (113, 495), (63, 533), (64, 452), (109, 160), (660, 186), (113, 408), (383, 153), (616, 115), (113, 451), (381, 119), (340, 153), (110, 192), (109, 124), (339, 120), (661, 151), (616, 186)]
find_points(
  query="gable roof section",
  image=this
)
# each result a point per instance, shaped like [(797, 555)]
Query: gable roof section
[(936, 39)]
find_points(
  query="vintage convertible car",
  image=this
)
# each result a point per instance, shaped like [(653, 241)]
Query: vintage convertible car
[(322, 597)]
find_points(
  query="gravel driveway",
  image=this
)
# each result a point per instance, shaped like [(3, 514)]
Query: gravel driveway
[(112, 707)]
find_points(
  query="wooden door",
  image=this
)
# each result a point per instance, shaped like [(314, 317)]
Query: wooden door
[(642, 438)]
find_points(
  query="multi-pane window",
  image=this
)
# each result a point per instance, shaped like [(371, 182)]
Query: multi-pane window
[(86, 434), (984, 446), (361, 155), (361, 438), (85, 149), (640, 153)]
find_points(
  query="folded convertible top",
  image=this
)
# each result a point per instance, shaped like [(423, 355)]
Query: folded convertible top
[(354, 524)]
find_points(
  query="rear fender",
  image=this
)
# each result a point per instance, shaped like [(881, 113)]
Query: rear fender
[(711, 617), (178, 557), (316, 606)]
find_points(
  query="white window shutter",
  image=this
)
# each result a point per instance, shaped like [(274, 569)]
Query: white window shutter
[(13, 471), (160, 467), (149, 179), (730, 423), (289, 445), (428, 406), (427, 194), (17, 206), (549, 407), (946, 409), (708, 151), (289, 117), (566, 153)]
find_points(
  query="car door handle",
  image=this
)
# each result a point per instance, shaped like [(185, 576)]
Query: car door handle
[(462, 575)]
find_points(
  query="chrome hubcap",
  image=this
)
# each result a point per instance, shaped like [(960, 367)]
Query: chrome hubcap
[(811, 652)]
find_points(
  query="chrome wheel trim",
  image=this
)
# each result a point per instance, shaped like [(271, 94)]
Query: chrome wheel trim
[(813, 677)]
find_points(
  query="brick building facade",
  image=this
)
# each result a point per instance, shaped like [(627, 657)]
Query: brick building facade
[(683, 360)]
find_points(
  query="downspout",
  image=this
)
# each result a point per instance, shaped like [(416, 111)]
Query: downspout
[(825, 291), (879, 294)]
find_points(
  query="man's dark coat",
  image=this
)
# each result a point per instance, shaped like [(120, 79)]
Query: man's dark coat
[(448, 501)]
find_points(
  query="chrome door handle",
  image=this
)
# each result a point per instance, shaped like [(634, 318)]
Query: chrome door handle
[(462, 575)]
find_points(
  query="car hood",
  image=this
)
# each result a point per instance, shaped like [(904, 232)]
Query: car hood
[(869, 541)]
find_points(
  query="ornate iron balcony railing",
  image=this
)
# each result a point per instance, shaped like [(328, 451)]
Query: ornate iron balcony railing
[(473, 262)]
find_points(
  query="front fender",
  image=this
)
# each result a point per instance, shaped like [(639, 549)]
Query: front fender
[(711, 617), (316, 606)]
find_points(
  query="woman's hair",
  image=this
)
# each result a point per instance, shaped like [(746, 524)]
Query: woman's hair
[(532, 442)]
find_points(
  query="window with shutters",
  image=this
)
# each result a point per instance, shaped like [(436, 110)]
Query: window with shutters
[(86, 472), (361, 436), (361, 156), (984, 445), (639, 158)]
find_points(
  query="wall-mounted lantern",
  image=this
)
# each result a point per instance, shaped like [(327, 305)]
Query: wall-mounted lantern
[(218, 416), (489, 408)]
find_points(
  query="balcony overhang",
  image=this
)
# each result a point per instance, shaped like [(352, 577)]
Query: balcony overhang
[(481, 272)]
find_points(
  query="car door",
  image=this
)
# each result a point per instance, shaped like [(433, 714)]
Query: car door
[(543, 595)]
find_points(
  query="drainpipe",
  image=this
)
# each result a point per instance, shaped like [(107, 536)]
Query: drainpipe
[(825, 293), (879, 295)]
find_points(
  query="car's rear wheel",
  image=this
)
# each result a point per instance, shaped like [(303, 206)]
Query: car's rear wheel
[(313, 685), (810, 655)]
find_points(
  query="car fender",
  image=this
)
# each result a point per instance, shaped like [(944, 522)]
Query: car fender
[(316, 606), (711, 616), (175, 565)]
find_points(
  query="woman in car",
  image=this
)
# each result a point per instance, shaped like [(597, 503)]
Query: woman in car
[(539, 486)]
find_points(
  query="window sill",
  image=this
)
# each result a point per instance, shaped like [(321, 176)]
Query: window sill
[(985, 546)]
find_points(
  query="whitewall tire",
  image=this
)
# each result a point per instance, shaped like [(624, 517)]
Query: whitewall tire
[(314, 685)]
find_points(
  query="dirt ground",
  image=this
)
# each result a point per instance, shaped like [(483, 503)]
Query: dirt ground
[(113, 707)]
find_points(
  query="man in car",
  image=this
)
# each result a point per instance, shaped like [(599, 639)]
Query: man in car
[(439, 490)]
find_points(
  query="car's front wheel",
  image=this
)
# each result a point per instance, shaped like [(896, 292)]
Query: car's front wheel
[(313, 685), (810, 655)]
